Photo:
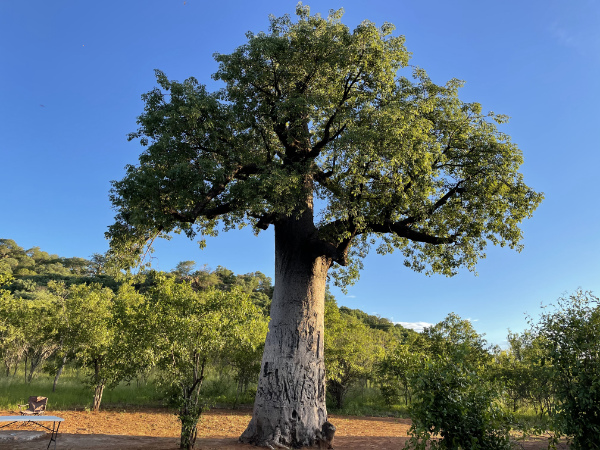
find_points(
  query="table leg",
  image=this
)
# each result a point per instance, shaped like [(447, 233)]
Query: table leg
[(54, 434)]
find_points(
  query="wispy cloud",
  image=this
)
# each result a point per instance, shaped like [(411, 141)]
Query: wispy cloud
[(585, 40), (564, 36), (417, 326)]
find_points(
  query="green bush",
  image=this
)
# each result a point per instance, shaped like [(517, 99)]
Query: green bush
[(572, 340), (454, 396), (454, 402)]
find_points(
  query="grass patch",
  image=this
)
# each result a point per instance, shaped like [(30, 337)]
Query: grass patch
[(72, 393), (527, 419), (366, 401), (222, 390)]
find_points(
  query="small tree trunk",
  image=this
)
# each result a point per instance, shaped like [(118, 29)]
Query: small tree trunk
[(189, 430), (337, 390), (32, 367), (98, 390), (58, 373), (290, 408), (190, 410)]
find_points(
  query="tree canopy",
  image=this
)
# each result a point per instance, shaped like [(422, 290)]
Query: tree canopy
[(314, 115)]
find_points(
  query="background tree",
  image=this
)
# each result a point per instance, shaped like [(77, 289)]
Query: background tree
[(27, 331), (313, 113), (38, 323), (245, 356), (97, 265), (395, 369), (93, 330), (352, 350), (526, 372), (184, 268), (188, 330), (12, 340)]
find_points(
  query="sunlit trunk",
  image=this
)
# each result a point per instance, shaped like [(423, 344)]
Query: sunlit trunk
[(99, 388), (290, 401), (98, 391), (190, 408)]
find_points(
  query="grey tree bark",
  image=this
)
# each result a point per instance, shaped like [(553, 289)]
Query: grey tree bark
[(59, 372), (290, 409)]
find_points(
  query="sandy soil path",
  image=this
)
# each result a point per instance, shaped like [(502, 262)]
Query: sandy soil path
[(158, 429)]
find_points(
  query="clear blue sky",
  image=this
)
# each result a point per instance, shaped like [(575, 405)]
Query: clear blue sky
[(72, 72)]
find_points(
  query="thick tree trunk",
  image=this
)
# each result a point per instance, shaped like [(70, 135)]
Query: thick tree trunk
[(290, 408)]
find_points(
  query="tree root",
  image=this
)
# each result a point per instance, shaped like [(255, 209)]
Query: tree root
[(325, 436)]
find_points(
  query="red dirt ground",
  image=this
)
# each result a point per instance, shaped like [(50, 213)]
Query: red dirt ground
[(158, 429)]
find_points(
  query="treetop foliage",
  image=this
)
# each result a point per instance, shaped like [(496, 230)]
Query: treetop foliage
[(316, 116)]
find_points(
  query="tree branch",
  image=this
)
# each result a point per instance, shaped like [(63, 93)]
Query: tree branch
[(202, 208), (327, 138), (265, 220), (402, 230)]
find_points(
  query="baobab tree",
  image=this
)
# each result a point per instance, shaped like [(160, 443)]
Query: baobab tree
[(317, 134)]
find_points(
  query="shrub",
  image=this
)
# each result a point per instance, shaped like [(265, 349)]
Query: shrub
[(454, 402), (454, 396), (572, 340)]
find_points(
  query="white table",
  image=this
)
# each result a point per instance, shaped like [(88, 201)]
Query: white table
[(36, 420)]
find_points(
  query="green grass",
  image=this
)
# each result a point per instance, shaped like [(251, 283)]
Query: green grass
[(366, 401), (527, 419), (222, 391), (72, 393)]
